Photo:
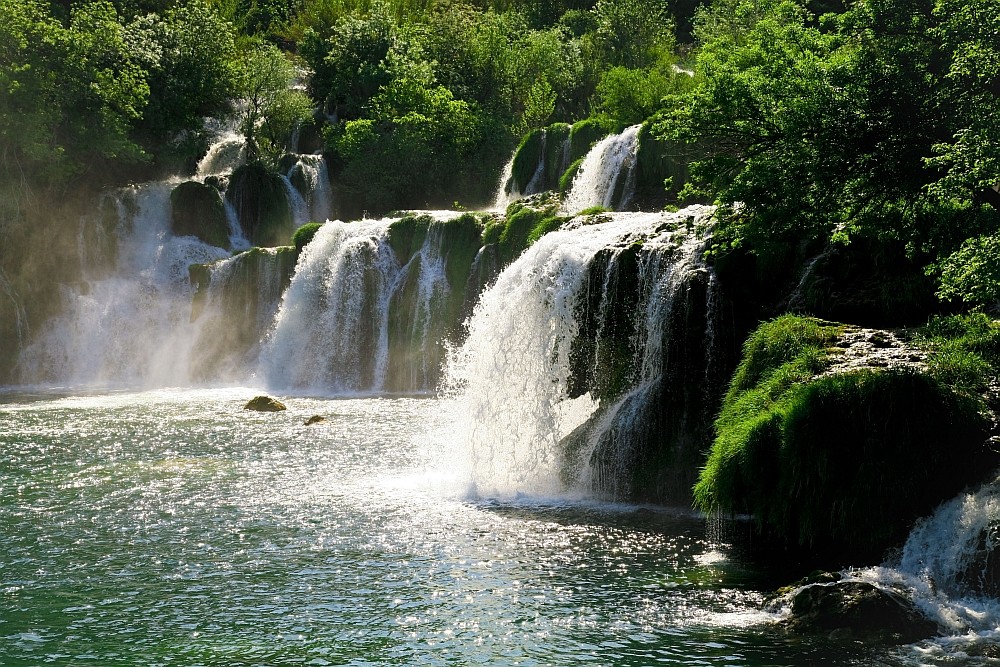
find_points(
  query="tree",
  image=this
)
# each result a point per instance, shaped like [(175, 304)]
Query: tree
[(189, 54), (269, 107), (68, 95)]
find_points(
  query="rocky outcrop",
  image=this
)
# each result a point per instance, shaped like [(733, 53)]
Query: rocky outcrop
[(197, 210), (837, 438), (264, 404), (261, 204), (858, 610)]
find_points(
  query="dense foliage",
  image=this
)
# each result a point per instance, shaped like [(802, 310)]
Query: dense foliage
[(872, 123)]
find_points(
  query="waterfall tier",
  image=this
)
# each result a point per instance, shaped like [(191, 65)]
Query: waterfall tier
[(571, 357)]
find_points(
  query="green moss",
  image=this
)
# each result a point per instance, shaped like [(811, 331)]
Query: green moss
[(842, 463), (556, 155), (526, 159), (407, 235), (463, 238), (964, 353), (304, 235), (566, 180), (789, 339), (586, 133), (523, 225)]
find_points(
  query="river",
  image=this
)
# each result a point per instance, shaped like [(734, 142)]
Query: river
[(174, 528)]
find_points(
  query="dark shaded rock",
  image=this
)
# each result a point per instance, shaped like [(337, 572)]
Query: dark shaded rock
[(316, 419), (264, 404), (196, 209), (981, 573), (261, 204), (858, 609)]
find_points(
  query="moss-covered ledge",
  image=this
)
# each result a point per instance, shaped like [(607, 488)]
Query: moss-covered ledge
[(834, 451)]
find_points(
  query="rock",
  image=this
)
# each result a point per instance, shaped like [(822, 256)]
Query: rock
[(315, 419), (197, 210), (264, 404), (261, 204), (860, 610)]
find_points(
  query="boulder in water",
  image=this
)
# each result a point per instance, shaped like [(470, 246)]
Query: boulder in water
[(264, 404), (315, 419), (857, 609)]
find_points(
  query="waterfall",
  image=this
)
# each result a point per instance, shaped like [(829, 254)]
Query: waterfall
[(307, 182), (519, 376), (366, 314), (507, 188), (598, 182), (547, 154), (126, 323), (226, 153), (234, 311)]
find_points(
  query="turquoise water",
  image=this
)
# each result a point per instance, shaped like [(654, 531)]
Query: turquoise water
[(173, 528)]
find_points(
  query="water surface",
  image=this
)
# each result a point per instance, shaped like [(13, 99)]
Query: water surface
[(174, 528)]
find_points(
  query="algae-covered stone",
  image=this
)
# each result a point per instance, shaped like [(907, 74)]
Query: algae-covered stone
[(196, 209), (264, 404), (261, 204)]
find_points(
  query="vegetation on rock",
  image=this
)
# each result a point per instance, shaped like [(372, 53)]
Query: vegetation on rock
[(838, 464)]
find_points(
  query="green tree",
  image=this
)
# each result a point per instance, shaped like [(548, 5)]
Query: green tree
[(269, 107), (68, 95), (189, 53)]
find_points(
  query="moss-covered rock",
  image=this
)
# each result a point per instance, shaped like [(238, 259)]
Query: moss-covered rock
[(236, 299), (261, 204), (303, 236), (529, 155), (196, 209), (859, 610), (837, 460), (585, 133), (526, 221), (420, 324)]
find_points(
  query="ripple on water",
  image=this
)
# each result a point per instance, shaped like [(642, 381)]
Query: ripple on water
[(172, 527)]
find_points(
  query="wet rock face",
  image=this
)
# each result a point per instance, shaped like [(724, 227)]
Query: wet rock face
[(857, 609)]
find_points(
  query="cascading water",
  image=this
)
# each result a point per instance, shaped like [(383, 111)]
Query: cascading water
[(358, 317), (599, 180), (307, 183), (515, 374), (127, 323), (552, 160)]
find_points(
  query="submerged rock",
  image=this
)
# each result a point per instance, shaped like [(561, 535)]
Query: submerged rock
[(860, 610), (264, 404), (315, 419)]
